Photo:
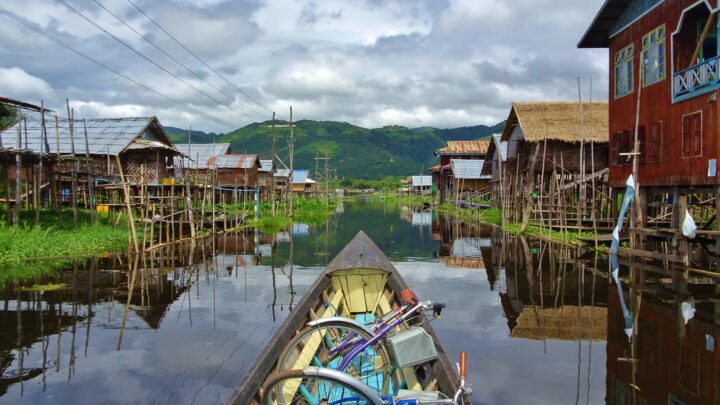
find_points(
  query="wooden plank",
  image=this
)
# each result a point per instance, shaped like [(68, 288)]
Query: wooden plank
[(356, 292), (650, 255)]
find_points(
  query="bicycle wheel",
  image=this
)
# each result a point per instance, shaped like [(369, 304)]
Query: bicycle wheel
[(314, 385), (326, 345)]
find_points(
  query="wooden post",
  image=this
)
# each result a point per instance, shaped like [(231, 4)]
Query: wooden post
[(271, 186), (18, 166), (581, 161), (529, 187), (131, 219), (636, 151), (292, 158), (43, 140), (73, 191), (90, 181)]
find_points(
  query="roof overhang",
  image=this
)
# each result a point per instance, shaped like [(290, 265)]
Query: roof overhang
[(598, 34)]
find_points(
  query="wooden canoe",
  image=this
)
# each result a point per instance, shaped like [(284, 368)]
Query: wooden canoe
[(360, 280)]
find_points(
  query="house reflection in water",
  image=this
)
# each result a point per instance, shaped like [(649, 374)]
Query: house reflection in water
[(545, 296), (667, 361)]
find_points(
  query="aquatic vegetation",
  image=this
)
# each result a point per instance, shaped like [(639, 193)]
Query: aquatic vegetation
[(46, 287), (489, 215), (572, 238), (56, 237)]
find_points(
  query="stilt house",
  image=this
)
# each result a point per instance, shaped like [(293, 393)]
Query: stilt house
[(496, 159), (664, 53), (236, 171), (197, 155), (265, 177), (145, 151), (555, 154), (458, 150), (302, 183)]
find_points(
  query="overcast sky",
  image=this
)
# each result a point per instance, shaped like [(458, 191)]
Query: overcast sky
[(443, 63)]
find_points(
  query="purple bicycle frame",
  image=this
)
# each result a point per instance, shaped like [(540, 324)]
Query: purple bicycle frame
[(384, 331)]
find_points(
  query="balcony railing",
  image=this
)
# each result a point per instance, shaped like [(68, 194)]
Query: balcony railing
[(696, 79)]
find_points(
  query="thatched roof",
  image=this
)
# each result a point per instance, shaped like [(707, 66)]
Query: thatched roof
[(559, 121)]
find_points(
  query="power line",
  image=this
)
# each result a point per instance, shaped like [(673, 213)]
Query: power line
[(104, 66), (174, 59), (143, 56), (197, 57)]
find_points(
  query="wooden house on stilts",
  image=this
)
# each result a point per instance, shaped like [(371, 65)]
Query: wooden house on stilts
[(556, 164), (81, 155), (664, 81)]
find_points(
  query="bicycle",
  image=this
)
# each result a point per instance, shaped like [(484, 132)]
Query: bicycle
[(317, 385), (349, 346)]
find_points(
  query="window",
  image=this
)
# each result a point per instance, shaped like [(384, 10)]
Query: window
[(624, 72), (653, 147), (653, 55), (708, 50), (692, 135)]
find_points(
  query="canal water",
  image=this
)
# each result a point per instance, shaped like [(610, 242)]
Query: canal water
[(542, 323)]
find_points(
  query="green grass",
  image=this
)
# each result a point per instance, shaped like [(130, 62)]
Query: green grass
[(54, 237), (488, 216), (312, 211), (572, 238), (45, 287)]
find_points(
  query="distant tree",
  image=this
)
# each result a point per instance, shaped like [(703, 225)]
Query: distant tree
[(7, 116)]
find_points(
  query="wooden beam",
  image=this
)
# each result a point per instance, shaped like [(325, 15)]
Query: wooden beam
[(699, 45)]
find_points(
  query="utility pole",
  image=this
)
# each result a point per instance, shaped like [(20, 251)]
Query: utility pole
[(272, 168), (292, 157)]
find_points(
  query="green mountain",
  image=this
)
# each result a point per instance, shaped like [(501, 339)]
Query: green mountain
[(355, 152)]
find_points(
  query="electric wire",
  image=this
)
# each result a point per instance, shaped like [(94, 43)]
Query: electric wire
[(106, 67), (145, 57), (198, 58), (146, 39)]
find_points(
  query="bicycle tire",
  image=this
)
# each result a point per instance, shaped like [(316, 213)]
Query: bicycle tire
[(335, 387), (380, 375)]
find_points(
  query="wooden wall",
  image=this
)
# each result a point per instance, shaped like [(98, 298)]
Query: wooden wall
[(235, 177), (671, 169)]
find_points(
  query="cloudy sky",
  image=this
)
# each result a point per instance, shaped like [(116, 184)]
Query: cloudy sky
[(443, 63)]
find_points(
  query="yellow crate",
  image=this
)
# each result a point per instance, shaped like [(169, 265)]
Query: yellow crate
[(102, 208)]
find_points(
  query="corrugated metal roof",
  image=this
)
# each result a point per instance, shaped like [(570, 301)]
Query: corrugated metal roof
[(105, 135), (299, 176), (200, 153), (266, 165), (232, 161), (464, 147), (282, 173), (501, 145), (468, 169), (421, 181)]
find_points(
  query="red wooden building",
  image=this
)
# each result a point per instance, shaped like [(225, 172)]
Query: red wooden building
[(674, 44)]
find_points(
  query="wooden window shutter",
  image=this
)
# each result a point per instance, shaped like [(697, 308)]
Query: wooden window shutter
[(697, 135), (627, 140), (641, 146), (686, 130), (654, 143)]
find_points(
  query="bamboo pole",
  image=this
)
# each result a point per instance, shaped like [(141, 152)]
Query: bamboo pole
[(131, 219), (292, 158), (18, 166), (73, 191), (90, 181)]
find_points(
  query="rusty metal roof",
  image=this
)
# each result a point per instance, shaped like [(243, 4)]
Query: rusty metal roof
[(233, 161), (465, 147), (200, 153)]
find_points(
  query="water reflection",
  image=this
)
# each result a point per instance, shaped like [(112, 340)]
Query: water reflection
[(542, 322)]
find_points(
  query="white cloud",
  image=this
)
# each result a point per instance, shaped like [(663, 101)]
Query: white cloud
[(369, 62), (16, 83)]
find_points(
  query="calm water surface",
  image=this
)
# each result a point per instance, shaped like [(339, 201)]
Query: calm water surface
[(542, 324)]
